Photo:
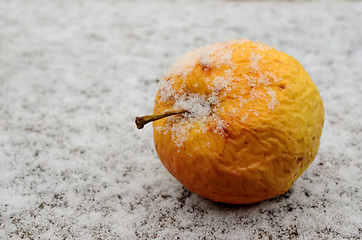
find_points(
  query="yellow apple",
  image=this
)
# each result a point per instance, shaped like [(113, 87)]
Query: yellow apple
[(244, 121)]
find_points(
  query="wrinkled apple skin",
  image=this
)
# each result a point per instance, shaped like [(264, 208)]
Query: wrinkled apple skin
[(253, 158)]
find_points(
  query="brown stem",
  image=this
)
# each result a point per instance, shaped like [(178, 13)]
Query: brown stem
[(142, 121)]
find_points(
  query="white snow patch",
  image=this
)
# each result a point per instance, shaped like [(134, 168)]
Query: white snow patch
[(75, 75)]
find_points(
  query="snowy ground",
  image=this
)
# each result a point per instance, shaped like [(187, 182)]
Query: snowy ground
[(74, 74)]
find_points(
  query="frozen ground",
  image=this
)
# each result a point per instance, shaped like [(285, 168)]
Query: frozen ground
[(74, 74)]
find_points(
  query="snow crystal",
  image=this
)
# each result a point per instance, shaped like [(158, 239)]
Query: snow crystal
[(221, 83), (166, 89), (244, 117), (198, 106), (220, 125), (256, 94), (261, 46), (273, 99), (255, 112), (181, 132), (254, 59), (261, 81), (162, 130)]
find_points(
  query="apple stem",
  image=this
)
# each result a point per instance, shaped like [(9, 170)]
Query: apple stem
[(142, 121)]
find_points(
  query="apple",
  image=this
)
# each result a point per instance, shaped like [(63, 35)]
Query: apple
[(237, 121)]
